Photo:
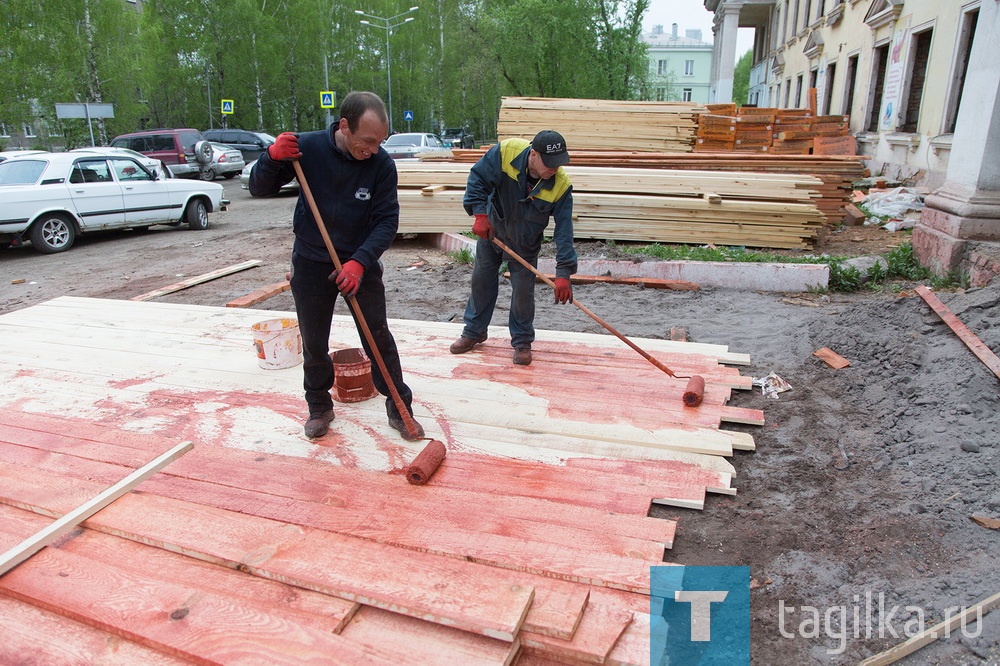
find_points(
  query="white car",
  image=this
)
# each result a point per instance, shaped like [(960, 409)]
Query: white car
[(152, 164), (415, 145), (7, 154), (226, 162), (51, 198)]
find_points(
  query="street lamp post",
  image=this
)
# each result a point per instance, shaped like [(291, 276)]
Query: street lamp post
[(387, 24)]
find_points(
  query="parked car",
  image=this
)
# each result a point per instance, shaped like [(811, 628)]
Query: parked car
[(292, 186), (457, 137), (152, 164), (7, 154), (51, 198), (414, 145), (184, 151), (251, 144), (226, 162)]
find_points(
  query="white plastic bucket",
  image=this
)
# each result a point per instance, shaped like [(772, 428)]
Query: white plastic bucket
[(278, 343)]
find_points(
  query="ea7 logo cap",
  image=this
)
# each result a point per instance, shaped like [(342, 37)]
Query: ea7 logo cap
[(552, 148)]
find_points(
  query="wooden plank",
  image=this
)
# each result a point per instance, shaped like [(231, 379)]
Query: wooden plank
[(32, 635), (982, 352), (259, 295), (939, 630), (831, 358), (601, 627), (33, 544), (174, 618), (198, 279), (445, 590), (427, 643)]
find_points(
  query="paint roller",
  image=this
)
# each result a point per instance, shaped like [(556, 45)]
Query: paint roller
[(426, 463)]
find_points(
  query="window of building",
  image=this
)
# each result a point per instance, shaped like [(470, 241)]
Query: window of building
[(686, 95), (689, 68), (962, 51), (3, 131), (851, 83), (29, 131), (661, 94), (661, 67), (784, 23), (777, 94), (831, 74), (806, 17), (919, 55), (798, 91), (788, 92), (795, 18), (880, 61)]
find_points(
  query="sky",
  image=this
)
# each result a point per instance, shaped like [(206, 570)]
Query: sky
[(690, 15)]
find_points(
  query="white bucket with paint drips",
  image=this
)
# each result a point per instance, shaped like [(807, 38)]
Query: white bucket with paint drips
[(278, 343)]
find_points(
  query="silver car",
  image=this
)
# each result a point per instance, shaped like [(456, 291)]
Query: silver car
[(415, 145), (226, 162)]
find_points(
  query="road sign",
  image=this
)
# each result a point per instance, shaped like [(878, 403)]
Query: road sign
[(227, 107), (407, 116), (327, 99), (85, 110)]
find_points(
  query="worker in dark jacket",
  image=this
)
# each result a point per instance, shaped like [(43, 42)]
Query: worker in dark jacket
[(512, 191), (354, 183)]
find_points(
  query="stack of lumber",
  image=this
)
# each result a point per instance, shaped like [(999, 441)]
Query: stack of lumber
[(603, 124), (663, 206), (772, 130), (837, 172), (257, 546)]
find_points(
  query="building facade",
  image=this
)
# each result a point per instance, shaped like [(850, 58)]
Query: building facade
[(680, 68), (920, 82)]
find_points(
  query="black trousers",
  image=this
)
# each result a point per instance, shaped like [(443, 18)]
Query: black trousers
[(315, 297)]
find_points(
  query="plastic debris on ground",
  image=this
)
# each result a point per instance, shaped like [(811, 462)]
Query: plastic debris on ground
[(894, 203), (772, 385)]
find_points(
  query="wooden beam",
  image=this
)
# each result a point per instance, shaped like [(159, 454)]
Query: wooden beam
[(831, 358), (33, 544), (650, 283), (927, 636), (259, 295), (198, 279), (978, 347)]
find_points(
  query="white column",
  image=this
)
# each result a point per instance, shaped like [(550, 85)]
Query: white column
[(727, 52)]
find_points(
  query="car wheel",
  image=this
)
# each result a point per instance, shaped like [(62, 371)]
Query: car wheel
[(231, 174), (207, 174), (52, 233), (203, 152), (197, 214)]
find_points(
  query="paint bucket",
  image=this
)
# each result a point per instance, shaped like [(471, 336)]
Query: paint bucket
[(278, 343), (352, 376)]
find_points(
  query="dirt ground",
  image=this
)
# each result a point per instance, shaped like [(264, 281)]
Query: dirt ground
[(862, 488)]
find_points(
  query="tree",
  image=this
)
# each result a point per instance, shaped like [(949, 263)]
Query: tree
[(741, 79)]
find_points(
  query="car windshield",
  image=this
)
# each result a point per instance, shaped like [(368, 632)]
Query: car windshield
[(403, 140), (21, 172), (453, 131)]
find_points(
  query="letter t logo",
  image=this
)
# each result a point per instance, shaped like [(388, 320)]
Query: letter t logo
[(701, 611)]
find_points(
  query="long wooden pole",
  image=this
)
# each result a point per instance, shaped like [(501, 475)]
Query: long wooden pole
[(411, 426), (39, 540), (587, 312)]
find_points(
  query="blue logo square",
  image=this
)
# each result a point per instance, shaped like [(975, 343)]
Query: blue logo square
[(699, 616)]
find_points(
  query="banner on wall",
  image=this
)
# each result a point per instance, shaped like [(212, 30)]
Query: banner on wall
[(892, 89)]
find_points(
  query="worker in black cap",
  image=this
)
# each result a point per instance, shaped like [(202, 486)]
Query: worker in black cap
[(512, 191)]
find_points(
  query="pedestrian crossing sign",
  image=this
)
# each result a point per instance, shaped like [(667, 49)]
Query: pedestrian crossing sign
[(227, 107), (327, 99)]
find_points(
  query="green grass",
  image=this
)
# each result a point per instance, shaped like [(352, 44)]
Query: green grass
[(463, 256)]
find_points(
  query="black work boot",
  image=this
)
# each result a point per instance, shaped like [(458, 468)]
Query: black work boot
[(318, 424)]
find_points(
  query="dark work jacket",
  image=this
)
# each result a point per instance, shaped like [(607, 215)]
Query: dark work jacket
[(357, 198), (498, 186)]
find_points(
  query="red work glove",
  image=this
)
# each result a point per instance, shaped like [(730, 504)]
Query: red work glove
[(564, 292), (349, 277), (482, 227), (285, 147)]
